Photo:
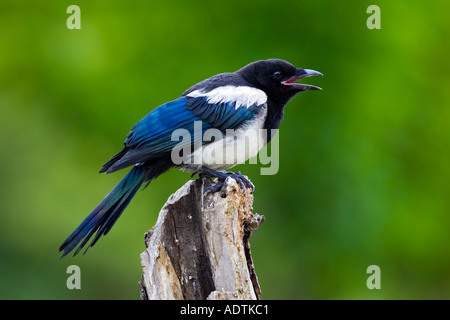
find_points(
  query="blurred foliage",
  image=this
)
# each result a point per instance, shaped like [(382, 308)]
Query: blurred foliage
[(364, 164)]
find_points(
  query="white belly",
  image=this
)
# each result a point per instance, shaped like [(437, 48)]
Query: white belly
[(235, 147)]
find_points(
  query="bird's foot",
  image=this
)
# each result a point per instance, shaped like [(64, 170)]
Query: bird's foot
[(222, 183)]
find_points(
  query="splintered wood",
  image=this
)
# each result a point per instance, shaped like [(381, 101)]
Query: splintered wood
[(199, 247)]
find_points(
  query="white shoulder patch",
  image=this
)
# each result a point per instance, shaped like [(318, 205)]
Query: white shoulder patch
[(242, 95)]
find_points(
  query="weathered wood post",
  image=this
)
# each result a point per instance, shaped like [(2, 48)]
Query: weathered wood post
[(199, 247)]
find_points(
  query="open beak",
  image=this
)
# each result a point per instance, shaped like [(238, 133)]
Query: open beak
[(300, 74)]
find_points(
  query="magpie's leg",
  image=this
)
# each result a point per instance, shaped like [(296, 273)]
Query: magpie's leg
[(222, 184)]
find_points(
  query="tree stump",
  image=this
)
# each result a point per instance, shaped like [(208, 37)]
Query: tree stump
[(199, 247)]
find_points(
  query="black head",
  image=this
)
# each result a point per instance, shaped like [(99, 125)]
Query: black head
[(277, 78)]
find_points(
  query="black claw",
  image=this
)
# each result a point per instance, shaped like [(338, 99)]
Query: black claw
[(241, 184), (243, 180), (222, 183), (223, 192), (214, 188)]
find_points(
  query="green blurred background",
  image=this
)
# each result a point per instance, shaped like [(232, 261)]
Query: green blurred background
[(364, 164)]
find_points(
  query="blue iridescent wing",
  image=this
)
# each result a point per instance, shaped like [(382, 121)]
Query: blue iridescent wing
[(151, 137)]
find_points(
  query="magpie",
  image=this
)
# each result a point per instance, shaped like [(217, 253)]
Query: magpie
[(252, 98)]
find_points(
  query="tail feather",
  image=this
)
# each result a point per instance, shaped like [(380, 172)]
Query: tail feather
[(103, 217), (114, 159)]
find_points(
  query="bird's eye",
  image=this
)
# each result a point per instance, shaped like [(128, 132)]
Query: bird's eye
[(277, 75)]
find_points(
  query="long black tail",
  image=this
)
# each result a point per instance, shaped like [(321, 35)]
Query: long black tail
[(103, 217)]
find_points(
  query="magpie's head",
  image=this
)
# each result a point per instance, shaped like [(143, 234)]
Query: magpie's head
[(277, 78)]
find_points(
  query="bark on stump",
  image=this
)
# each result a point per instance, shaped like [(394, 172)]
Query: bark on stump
[(199, 247)]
